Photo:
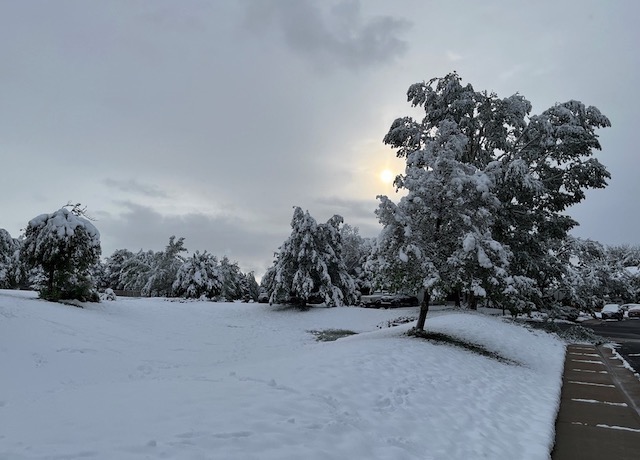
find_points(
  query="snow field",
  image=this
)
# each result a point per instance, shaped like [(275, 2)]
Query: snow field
[(150, 378)]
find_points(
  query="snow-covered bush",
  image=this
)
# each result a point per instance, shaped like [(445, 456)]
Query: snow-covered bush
[(109, 295), (64, 246)]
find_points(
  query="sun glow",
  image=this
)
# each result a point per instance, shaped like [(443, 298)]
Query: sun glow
[(387, 176)]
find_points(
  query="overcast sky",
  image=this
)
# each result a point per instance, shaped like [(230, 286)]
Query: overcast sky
[(211, 119)]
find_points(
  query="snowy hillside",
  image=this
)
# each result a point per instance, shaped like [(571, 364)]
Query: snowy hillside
[(151, 378)]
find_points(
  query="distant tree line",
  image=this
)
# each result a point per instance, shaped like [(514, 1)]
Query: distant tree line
[(169, 273), (59, 255)]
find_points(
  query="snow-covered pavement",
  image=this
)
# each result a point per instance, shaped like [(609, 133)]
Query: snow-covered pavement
[(150, 378)]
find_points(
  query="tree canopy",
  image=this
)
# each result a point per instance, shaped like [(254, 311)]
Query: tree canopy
[(64, 246), (310, 262), (487, 185)]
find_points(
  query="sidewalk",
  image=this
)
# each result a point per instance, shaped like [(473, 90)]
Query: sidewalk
[(599, 414)]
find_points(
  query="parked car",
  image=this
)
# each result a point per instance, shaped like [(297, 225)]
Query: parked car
[(386, 300), (612, 311), (627, 306), (263, 297), (372, 300), (634, 311)]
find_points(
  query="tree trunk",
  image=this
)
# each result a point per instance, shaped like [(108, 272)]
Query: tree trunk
[(473, 301), (424, 309), (50, 280)]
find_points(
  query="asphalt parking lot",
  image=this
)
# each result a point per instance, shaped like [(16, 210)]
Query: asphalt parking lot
[(625, 333)]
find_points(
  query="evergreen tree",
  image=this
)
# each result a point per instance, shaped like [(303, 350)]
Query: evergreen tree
[(356, 251), (10, 272), (64, 245), (163, 269), (249, 287), (310, 263), (113, 266), (200, 275), (136, 271), (231, 278)]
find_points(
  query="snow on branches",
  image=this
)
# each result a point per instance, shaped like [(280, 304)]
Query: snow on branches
[(65, 246), (486, 185), (310, 263)]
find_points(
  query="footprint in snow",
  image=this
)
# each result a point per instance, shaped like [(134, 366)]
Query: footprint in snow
[(39, 359)]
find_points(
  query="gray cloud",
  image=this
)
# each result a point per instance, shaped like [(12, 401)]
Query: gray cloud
[(357, 213), (210, 120), (136, 187), (336, 35), (141, 227)]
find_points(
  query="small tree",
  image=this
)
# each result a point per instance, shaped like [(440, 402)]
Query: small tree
[(64, 245)]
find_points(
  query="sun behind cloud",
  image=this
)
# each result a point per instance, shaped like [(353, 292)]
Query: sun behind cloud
[(387, 176)]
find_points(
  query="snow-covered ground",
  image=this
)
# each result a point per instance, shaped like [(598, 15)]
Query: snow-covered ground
[(151, 378)]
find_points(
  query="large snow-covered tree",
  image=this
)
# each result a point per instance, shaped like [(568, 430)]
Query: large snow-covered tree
[(164, 268), (355, 251), (231, 278), (249, 287), (64, 245), (152, 273), (310, 263), (438, 237), (10, 272), (136, 270), (112, 269), (199, 276), (484, 178)]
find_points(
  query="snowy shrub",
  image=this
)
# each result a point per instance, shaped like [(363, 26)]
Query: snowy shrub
[(108, 295), (64, 245)]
